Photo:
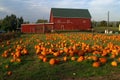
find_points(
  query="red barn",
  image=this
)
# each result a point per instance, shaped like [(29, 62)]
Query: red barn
[(36, 28), (70, 19), (62, 19)]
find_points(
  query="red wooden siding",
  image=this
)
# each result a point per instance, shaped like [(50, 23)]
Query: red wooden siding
[(72, 24), (56, 22), (36, 28)]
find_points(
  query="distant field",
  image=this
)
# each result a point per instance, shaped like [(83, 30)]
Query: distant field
[(63, 56), (102, 29)]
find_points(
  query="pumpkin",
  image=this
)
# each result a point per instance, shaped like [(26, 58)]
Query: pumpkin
[(80, 53), (9, 73), (44, 53), (103, 60), (96, 64), (38, 51), (66, 49), (52, 61), (73, 58), (3, 46), (41, 56), (81, 58), (12, 60), (56, 54), (6, 66), (18, 54), (71, 53), (65, 58), (95, 58), (18, 60), (25, 51), (114, 63), (44, 59), (61, 51), (8, 42), (113, 56), (119, 59)]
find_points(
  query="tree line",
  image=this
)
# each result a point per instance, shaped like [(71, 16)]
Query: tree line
[(104, 23), (11, 23)]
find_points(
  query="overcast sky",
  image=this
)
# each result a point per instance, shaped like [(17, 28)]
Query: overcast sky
[(31, 10)]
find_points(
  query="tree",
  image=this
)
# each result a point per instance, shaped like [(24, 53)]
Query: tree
[(11, 23), (6, 23), (103, 23), (0, 23), (19, 22), (41, 21), (94, 23), (26, 22), (117, 24)]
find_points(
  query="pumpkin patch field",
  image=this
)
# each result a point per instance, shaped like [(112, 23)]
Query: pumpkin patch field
[(60, 56)]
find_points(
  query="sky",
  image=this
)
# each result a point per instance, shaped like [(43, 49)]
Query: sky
[(32, 10)]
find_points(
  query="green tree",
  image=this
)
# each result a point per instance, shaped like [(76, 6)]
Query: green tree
[(103, 23), (26, 22), (19, 22), (117, 24), (11, 23), (5, 23), (0, 23), (41, 21), (94, 23)]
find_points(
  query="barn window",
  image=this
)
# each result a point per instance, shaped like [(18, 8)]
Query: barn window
[(68, 21), (58, 21), (84, 21)]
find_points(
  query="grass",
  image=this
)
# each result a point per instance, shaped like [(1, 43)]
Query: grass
[(102, 29), (32, 68)]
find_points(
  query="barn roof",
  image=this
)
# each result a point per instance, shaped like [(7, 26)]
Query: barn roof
[(70, 13)]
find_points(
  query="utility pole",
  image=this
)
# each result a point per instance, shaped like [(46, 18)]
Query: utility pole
[(108, 20)]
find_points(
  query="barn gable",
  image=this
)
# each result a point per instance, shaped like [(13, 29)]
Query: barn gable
[(70, 13)]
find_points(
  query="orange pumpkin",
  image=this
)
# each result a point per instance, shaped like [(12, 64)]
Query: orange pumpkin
[(52, 61), (18, 60), (41, 57), (71, 52), (12, 60), (66, 50), (18, 54), (119, 59), (65, 58), (81, 58), (114, 63), (96, 64), (25, 51), (73, 58), (103, 60), (44, 53), (38, 51), (9, 73), (95, 58), (44, 59), (6, 66), (3, 46), (56, 54)]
